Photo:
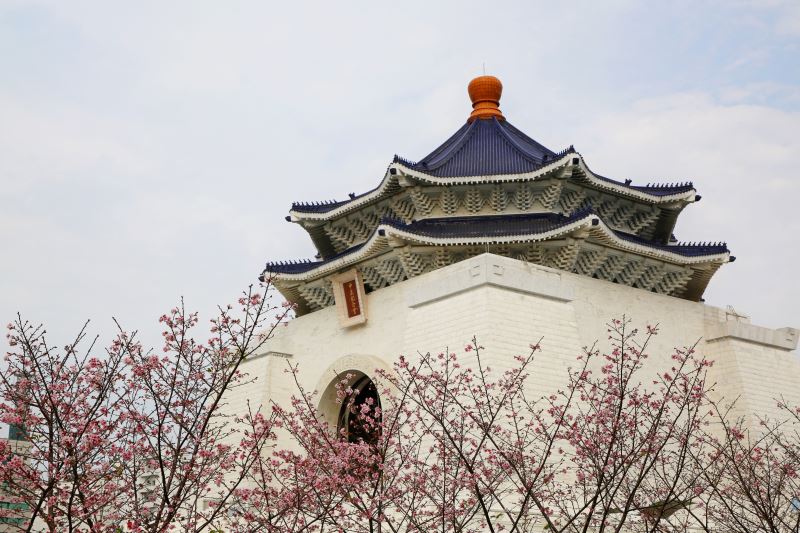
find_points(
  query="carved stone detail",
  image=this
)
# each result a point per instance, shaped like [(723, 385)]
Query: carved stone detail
[(413, 263), (473, 201), (422, 202), (523, 197), (373, 278), (571, 200), (563, 258), (550, 194), (404, 208), (612, 266), (319, 295), (642, 219), (650, 277), (674, 282), (448, 201), (631, 272), (588, 261), (498, 200), (442, 258), (392, 270)]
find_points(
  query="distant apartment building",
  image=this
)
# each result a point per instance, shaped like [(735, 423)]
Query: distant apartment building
[(14, 514)]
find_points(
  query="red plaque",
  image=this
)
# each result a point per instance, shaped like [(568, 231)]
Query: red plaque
[(351, 303), (351, 298)]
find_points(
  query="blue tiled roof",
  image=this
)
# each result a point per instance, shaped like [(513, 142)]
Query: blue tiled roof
[(487, 225), (330, 205), (489, 148), (537, 223), (484, 148), (656, 189), (304, 265), (664, 189), (319, 207), (292, 267), (498, 226), (687, 249)]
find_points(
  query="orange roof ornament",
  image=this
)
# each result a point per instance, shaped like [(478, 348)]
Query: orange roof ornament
[(485, 91)]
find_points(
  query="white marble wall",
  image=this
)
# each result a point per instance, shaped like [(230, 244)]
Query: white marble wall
[(510, 304)]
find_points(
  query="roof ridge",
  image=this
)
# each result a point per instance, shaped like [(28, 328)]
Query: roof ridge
[(518, 132), (719, 246), (686, 185), (459, 132), (665, 185), (506, 136), (318, 203)]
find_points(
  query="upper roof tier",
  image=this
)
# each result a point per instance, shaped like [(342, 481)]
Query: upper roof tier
[(489, 149), (652, 193), (487, 144), (484, 147)]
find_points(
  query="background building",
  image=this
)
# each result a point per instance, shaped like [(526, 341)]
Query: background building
[(19, 511)]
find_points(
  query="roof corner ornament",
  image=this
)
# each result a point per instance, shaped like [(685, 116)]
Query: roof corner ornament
[(485, 92)]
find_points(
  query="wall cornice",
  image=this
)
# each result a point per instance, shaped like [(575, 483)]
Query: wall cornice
[(494, 271)]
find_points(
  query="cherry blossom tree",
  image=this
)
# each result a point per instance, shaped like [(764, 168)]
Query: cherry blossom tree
[(69, 405), (130, 437), (610, 451), (185, 462), (143, 440), (754, 473), (630, 437), (452, 446), (369, 475)]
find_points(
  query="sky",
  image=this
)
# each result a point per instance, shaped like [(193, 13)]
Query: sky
[(151, 150)]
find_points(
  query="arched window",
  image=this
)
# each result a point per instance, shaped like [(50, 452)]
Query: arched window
[(360, 413)]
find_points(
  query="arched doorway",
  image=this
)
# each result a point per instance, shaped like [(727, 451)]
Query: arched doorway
[(360, 413)]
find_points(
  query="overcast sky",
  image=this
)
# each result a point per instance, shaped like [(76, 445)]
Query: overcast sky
[(150, 150)]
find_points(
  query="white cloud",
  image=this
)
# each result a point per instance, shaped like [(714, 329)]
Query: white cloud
[(44, 143), (786, 14), (152, 150)]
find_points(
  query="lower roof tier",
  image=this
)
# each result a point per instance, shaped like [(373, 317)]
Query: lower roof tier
[(581, 243)]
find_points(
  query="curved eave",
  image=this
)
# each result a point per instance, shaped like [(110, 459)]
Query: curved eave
[(606, 184), (491, 178), (389, 181), (379, 242), (397, 169)]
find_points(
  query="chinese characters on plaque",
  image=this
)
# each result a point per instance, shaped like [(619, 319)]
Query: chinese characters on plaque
[(348, 290)]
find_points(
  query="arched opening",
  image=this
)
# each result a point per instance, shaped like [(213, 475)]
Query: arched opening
[(360, 412)]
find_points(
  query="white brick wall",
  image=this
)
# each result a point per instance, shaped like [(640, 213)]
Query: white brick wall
[(509, 304)]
